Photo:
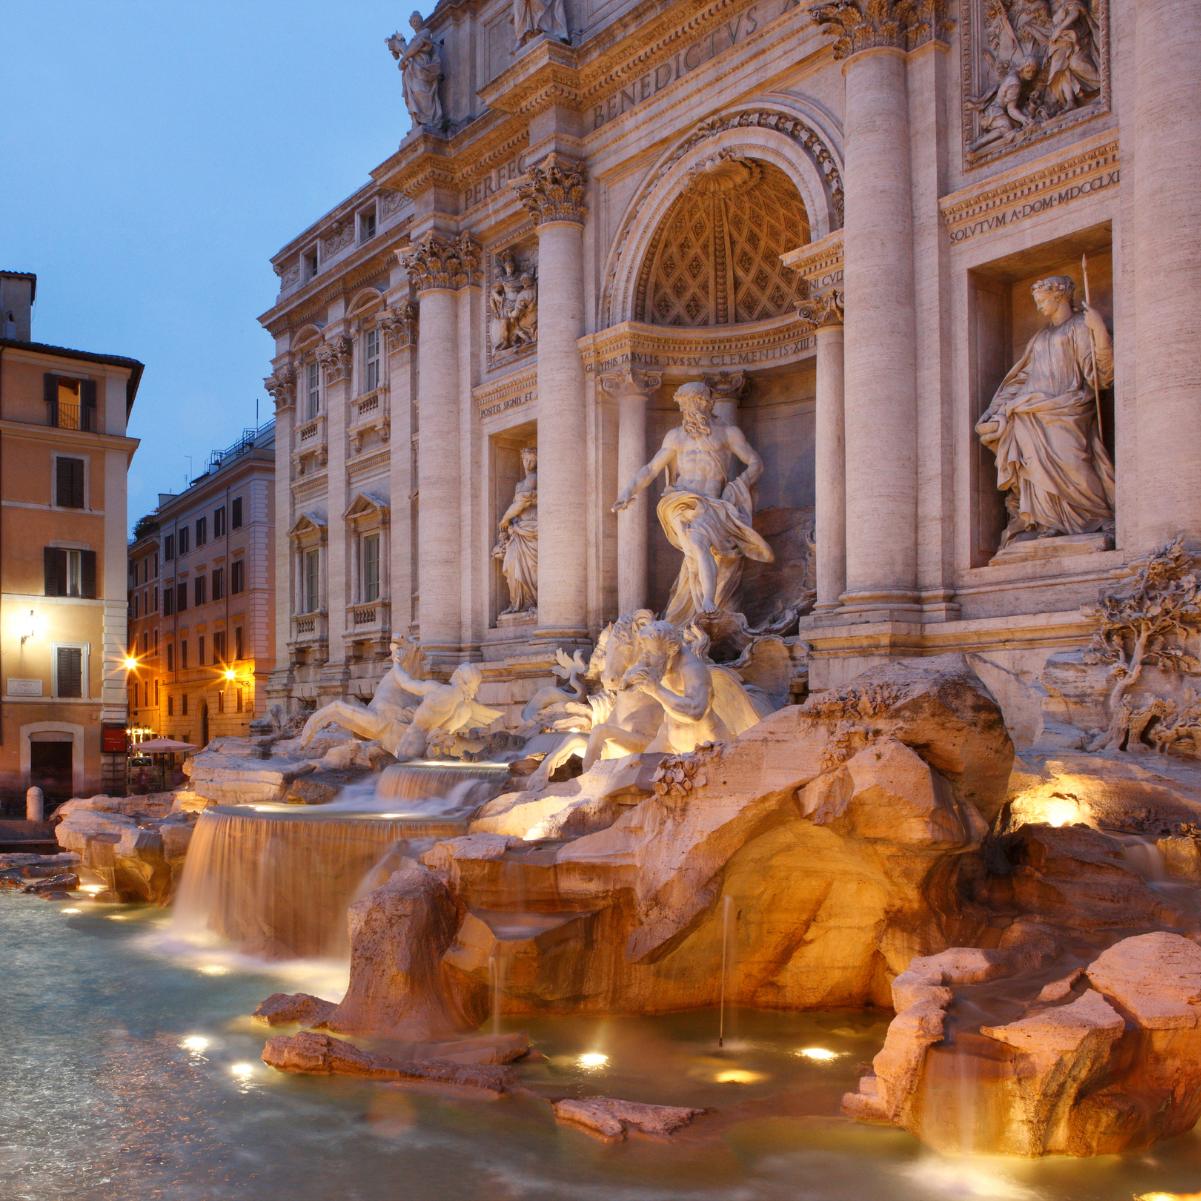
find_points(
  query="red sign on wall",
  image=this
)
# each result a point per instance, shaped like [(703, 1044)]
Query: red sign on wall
[(113, 740)]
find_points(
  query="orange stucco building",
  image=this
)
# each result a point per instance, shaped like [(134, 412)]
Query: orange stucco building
[(64, 455)]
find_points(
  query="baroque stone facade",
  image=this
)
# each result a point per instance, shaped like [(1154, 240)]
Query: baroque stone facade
[(844, 206)]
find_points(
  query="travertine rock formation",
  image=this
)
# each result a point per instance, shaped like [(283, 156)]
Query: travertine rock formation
[(1105, 1059), (611, 1119), (140, 858)]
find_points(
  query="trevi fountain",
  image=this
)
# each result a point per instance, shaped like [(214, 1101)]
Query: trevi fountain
[(776, 770)]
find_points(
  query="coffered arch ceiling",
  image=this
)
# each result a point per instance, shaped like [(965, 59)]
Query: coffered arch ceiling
[(715, 257)]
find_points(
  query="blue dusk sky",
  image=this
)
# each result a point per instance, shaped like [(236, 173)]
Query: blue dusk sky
[(153, 156)]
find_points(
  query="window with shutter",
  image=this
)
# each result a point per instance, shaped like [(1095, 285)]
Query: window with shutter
[(236, 577), (218, 583), (87, 400), (87, 574), (70, 671), (181, 597), (183, 706), (183, 656), (199, 589), (170, 656), (236, 513), (68, 492), (170, 705), (237, 642), (54, 563), (200, 651), (168, 601), (183, 541), (169, 547), (219, 522), (202, 526)]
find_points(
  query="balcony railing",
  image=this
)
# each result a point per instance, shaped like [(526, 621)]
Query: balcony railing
[(72, 417)]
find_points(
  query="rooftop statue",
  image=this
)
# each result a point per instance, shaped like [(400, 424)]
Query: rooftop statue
[(517, 547), (534, 17), (405, 730), (420, 71), (705, 512), (1042, 423)]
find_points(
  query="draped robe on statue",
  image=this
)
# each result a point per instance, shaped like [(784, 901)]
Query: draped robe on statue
[(1048, 446), (726, 523), (519, 545)]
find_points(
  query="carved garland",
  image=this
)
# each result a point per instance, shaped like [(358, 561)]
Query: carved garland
[(792, 127), (439, 263), (553, 190), (869, 24)]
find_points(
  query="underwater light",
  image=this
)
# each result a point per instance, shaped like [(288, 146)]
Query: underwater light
[(593, 1059), (241, 1070), (92, 888), (1168, 1197), (70, 911), (215, 969), (194, 1043), (819, 1053), (117, 917), (738, 1076)]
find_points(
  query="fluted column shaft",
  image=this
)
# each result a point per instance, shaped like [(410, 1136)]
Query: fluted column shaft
[(438, 516), (1167, 270), (831, 468), (880, 338)]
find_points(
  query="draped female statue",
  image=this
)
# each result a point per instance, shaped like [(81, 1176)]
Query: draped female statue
[(517, 547), (1042, 423), (420, 71)]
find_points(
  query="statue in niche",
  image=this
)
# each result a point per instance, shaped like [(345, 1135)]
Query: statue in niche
[(420, 71), (1042, 424), (532, 18), (514, 307), (1043, 61), (517, 547), (705, 512)]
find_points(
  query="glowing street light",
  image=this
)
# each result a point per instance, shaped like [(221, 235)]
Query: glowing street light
[(131, 664)]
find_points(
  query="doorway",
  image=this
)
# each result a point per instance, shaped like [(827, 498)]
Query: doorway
[(204, 724), (50, 765)]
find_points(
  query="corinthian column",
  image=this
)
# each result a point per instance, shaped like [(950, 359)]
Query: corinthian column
[(1167, 271), (881, 329), (631, 387), (824, 315), (553, 191), (438, 268), (281, 385)]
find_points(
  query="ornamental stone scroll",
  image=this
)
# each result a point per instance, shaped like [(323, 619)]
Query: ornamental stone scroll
[(399, 324), (820, 311), (281, 387), (553, 190)]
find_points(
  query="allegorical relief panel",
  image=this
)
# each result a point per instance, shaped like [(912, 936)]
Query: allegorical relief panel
[(512, 304), (1031, 68)]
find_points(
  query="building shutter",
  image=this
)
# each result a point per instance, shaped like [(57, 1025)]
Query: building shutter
[(87, 403), (55, 565), (69, 483), (87, 573), (70, 671), (236, 513), (181, 598), (50, 393)]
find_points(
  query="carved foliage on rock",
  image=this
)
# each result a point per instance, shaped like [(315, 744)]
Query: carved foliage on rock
[(443, 263), (871, 24), (678, 775), (1030, 69), (553, 190), (1149, 624)]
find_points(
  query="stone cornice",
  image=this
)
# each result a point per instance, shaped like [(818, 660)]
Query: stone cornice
[(1031, 189), (510, 392), (818, 263)]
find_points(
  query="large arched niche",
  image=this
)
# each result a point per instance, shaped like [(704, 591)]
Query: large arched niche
[(785, 141), (715, 257)]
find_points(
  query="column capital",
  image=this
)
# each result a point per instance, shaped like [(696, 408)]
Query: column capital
[(728, 386), (281, 387), (553, 190), (881, 24), (335, 355), (631, 381), (443, 262), (821, 310), (399, 323)]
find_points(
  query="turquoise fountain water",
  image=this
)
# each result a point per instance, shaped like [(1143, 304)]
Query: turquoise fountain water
[(130, 1073)]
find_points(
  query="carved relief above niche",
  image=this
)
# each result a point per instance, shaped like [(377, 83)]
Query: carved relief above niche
[(715, 258), (1031, 68), (511, 308)]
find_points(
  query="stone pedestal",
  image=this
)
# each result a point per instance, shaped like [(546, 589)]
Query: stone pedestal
[(1167, 269)]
